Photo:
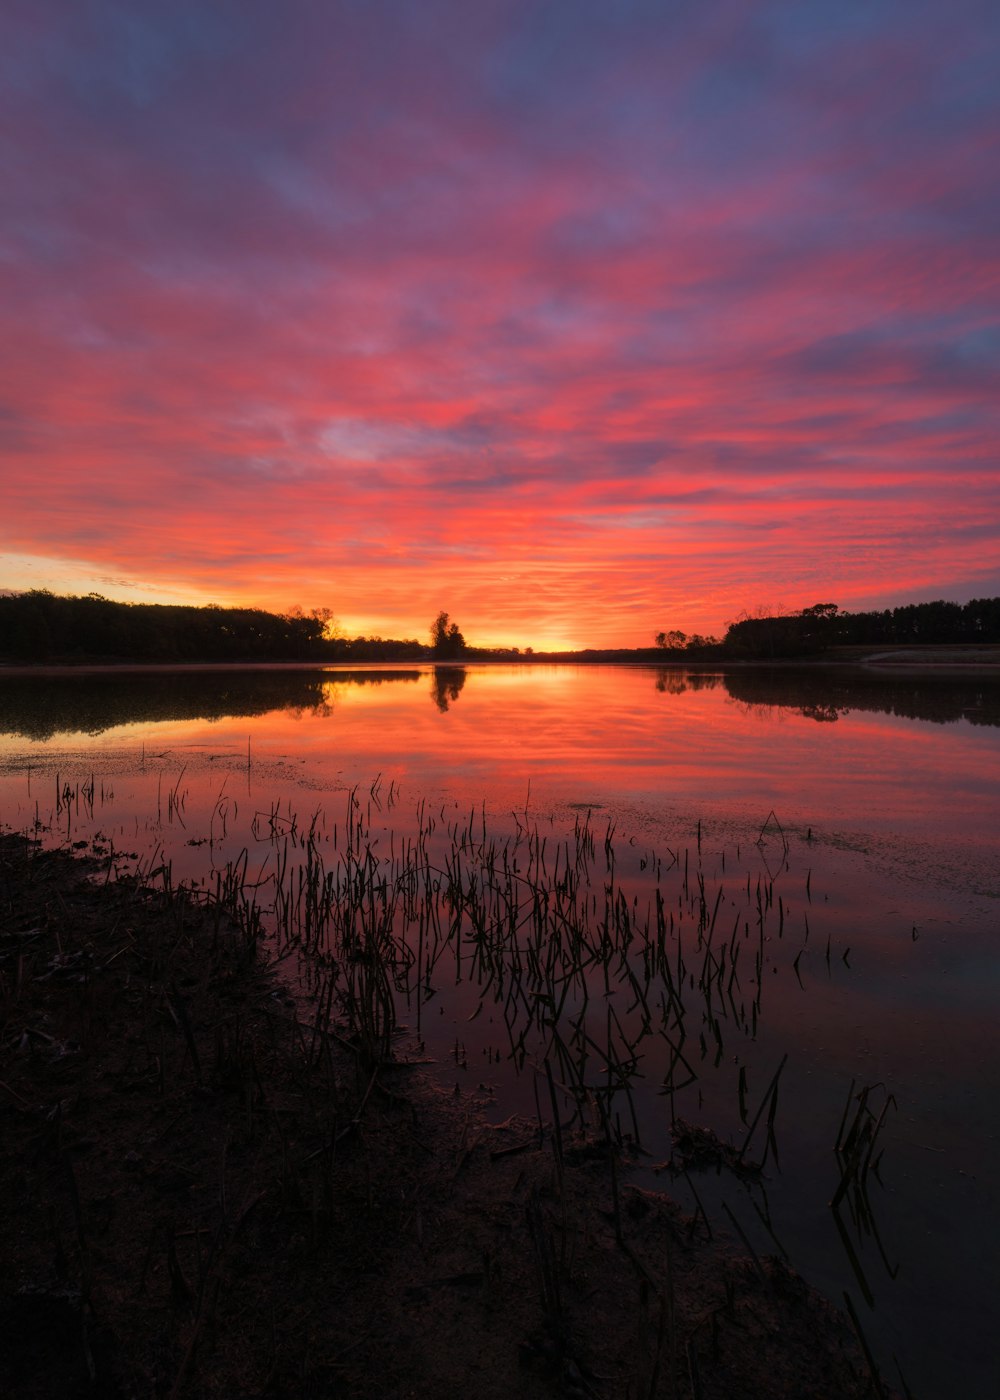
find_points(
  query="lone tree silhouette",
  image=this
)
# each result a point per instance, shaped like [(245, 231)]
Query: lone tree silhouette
[(447, 641)]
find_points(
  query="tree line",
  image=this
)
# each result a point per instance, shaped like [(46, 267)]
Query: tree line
[(38, 627), (823, 626)]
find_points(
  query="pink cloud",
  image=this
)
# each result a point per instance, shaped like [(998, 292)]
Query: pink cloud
[(686, 324)]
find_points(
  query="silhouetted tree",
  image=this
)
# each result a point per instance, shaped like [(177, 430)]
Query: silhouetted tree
[(447, 641)]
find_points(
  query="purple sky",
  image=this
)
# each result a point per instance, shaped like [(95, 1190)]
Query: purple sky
[(579, 320)]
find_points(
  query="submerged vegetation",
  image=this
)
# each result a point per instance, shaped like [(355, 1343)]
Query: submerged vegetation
[(213, 1193), (606, 975)]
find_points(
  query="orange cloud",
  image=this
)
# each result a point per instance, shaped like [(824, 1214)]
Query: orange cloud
[(577, 352)]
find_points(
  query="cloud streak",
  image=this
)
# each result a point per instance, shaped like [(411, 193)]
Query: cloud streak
[(580, 320)]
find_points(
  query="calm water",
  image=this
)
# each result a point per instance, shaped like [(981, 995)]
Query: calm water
[(865, 808)]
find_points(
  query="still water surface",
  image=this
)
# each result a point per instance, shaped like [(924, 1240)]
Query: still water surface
[(837, 830)]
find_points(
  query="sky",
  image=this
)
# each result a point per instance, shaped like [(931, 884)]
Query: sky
[(579, 320)]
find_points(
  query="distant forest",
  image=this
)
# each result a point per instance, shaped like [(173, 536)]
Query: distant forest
[(38, 627), (43, 627), (823, 627)]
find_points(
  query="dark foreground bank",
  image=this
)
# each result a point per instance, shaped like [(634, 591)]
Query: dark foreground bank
[(206, 1196)]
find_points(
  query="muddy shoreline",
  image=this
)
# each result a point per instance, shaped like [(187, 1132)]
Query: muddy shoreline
[(209, 1196)]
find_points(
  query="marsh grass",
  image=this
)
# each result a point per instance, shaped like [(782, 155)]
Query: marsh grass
[(859, 1150), (586, 957), (594, 961)]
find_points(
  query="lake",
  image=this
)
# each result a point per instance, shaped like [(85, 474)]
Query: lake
[(759, 903)]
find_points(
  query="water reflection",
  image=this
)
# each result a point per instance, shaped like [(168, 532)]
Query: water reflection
[(757, 876), (446, 685), (671, 681), (825, 693), (39, 707)]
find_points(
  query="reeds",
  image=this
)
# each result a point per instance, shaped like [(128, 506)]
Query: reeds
[(858, 1151), (595, 961), (594, 958)]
